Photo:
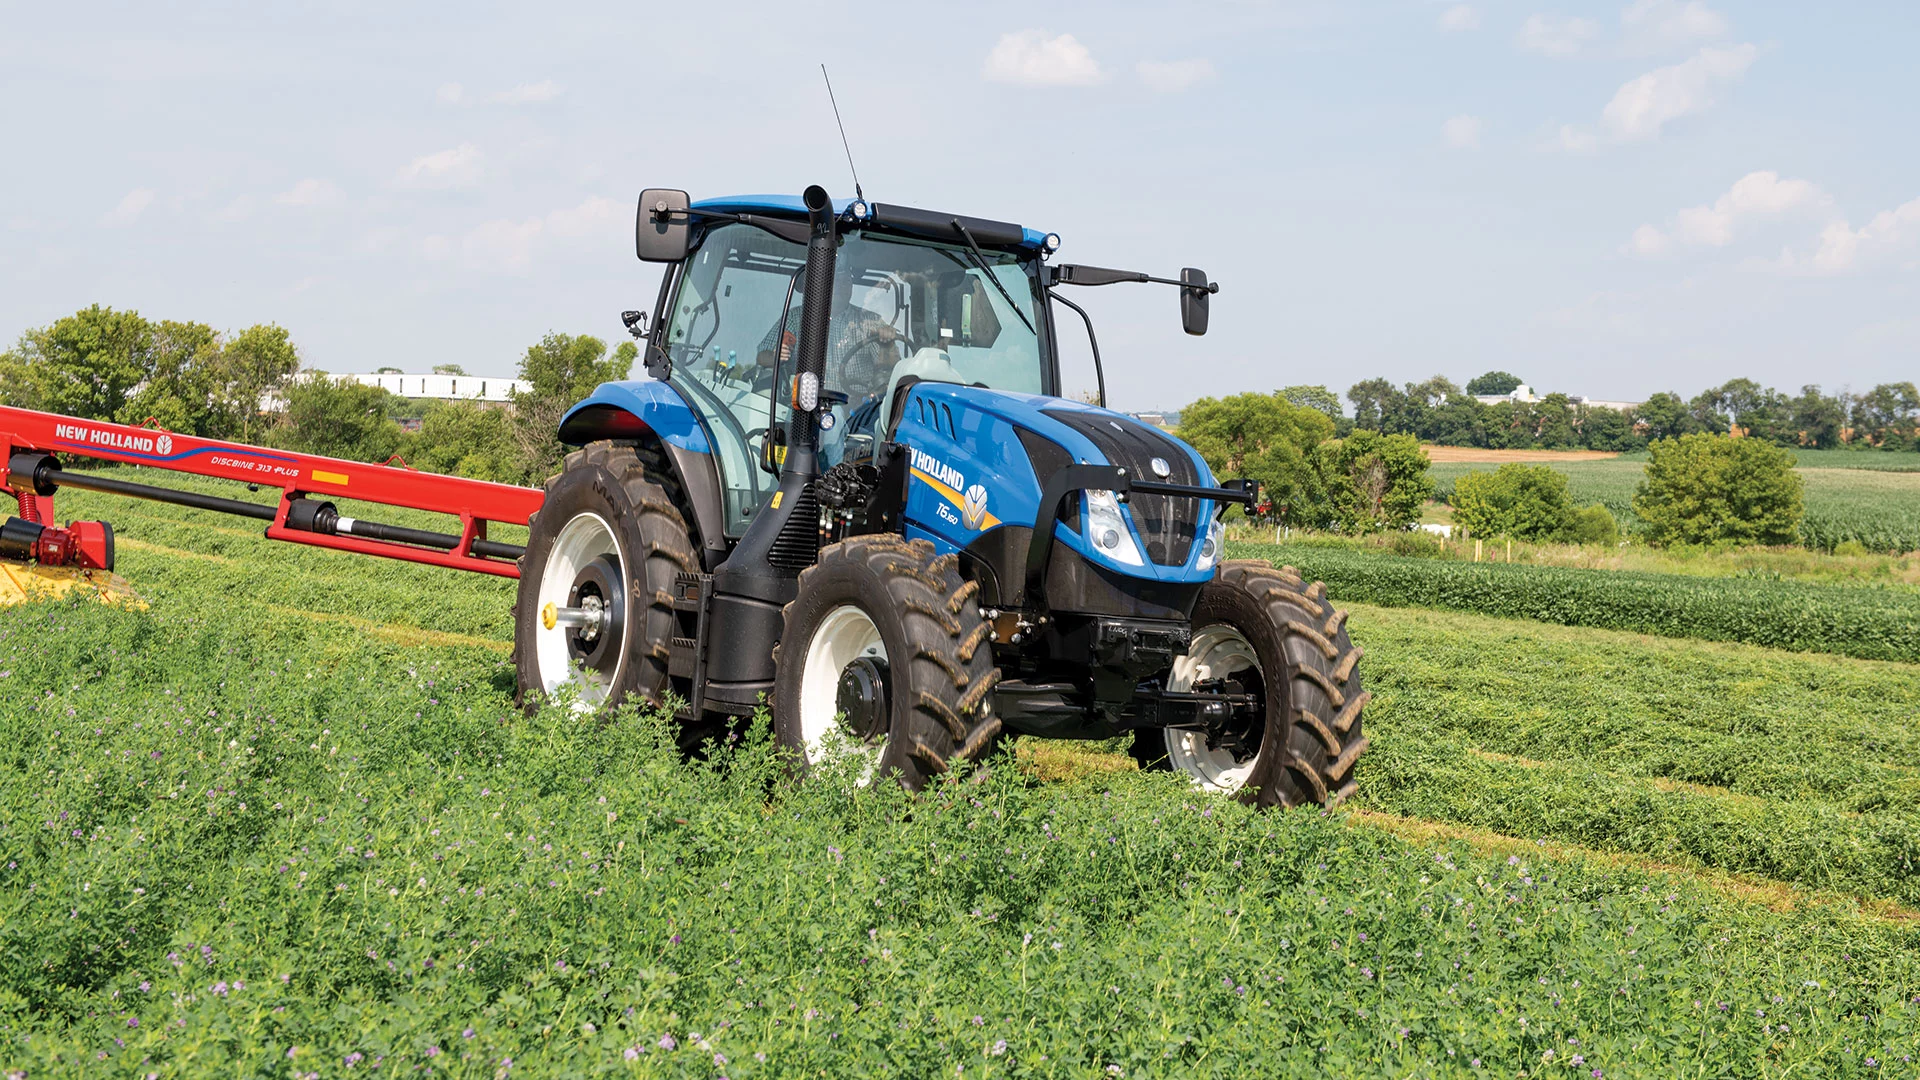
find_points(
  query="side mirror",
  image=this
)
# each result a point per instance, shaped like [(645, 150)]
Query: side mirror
[(1194, 292), (663, 229)]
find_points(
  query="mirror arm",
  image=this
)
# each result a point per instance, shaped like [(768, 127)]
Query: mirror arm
[(792, 231), (1099, 372), (1063, 275)]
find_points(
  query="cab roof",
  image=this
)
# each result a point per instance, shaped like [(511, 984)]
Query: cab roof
[(888, 216)]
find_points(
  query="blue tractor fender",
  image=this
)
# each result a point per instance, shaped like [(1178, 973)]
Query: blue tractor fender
[(654, 415)]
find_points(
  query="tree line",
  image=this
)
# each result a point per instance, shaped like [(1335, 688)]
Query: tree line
[(249, 386), (1441, 412)]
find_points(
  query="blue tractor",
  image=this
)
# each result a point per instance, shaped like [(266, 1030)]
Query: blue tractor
[(850, 492)]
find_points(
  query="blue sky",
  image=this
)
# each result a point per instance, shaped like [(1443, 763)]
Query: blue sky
[(1608, 199)]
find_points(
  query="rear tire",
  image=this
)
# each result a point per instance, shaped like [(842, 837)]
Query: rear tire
[(1252, 616), (887, 607), (603, 504)]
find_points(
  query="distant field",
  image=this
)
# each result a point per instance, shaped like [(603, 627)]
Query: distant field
[(1849, 495), (1438, 454)]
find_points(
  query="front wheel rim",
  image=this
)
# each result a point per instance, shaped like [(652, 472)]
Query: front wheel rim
[(582, 540), (846, 634), (1216, 653)]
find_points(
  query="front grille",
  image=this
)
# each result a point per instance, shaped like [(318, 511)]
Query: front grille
[(1166, 522)]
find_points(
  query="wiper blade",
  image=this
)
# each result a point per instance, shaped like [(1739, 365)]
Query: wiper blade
[(980, 260)]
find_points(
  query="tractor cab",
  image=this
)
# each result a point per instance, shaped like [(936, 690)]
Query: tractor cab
[(906, 307)]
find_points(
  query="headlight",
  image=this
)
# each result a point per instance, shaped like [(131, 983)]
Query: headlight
[(1107, 529), (1210, 547)]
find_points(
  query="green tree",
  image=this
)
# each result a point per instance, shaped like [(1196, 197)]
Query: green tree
[(336, 417), (1314, 397), (1819, 420), (1888, 416), (1461, 421), (1374, 401), (1553, 416), (1705, 489), (449, 369), (1373, 481), (1604, 428), (563, 369), (87, 364), (177, 393), (1494, 382), (1665, 416), (1526, 502), (1263, 437), (465, 438), (254, 364)]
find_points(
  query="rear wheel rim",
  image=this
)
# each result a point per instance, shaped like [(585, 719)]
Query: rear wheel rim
[(1217, 652), (846, 634), (583, 539)]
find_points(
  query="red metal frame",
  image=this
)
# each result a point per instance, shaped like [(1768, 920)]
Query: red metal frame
[(474, 502)]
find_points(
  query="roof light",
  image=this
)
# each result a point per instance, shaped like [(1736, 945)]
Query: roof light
[(858, 210), (1052, 242)]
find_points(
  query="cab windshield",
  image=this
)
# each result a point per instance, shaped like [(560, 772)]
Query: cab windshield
[(901, 309)]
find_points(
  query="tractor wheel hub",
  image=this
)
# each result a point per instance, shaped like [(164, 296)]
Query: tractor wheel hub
[(862, 696)]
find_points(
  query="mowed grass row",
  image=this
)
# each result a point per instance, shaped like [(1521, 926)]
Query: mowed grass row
[(1878, 508), (1862, 621), (243, 842), (1803, 769)]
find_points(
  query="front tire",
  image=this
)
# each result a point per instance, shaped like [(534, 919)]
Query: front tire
[(1266, 629), (609, 530), (885, 646)]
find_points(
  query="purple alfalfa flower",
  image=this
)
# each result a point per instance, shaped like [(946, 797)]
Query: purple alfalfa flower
[(133, 1021), (719, 1060), (433, 1051), (353, 1059), (979, 1021), (467, 1034), (667, 1042), (675, 939), (630, 1053), (219, 989)]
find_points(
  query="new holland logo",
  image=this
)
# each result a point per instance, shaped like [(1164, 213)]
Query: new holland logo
[(163, 444), (974, 510)]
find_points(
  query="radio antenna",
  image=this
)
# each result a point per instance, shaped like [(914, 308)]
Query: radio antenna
[(857, 193)]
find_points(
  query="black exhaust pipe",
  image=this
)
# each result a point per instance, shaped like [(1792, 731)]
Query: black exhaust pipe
[(758, 579)]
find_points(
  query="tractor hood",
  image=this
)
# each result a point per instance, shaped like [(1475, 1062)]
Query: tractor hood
[(981, 458)]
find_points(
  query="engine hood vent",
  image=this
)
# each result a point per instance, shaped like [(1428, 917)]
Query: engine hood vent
[(1167, 523)]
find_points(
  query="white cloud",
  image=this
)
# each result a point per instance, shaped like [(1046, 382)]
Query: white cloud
[(1172, 76), (1577, 140), (1843, 248), (1755, 197), (131, 206), (455, 168), (1644, 105), (1032, 58), (450, 94), (309, 192), (596, 216), (1461, 132), (1556, 35), (509, 246), (1672, 22), (529, 93), (240, 209), (1648, 241), (1460, 17)]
